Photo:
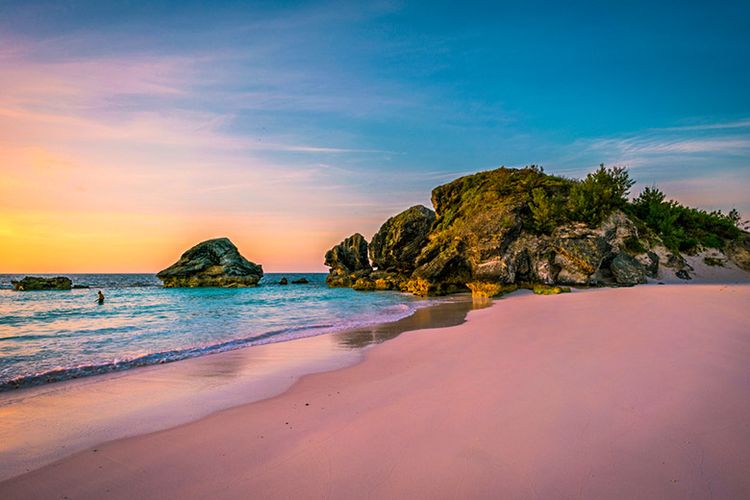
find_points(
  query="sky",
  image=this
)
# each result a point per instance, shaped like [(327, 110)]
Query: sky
[(130, 131)]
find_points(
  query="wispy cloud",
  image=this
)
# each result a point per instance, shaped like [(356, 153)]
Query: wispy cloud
[(706, 165), (745, 123), (631, 148), (717, 140), (317, 149)]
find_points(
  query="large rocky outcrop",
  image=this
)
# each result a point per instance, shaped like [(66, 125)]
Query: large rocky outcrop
[(348, 261), (30, 283), (506, 227), (398, 243), (483, 231), (573, 254), (212, 263)]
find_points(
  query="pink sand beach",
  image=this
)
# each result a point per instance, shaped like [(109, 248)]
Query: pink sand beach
[(604, 393)]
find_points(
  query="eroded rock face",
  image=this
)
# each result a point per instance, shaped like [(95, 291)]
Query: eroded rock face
[(442, 272), (212, 263), (348, 261), (739, 251), (30, 283), (573, 254), (398, 243), (579, 255), (484, 232), (627, 270)]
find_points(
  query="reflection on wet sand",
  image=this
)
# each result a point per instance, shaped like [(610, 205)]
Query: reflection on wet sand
[(43, 423), (446, 314)]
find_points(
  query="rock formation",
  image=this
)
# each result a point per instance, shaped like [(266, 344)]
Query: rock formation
[(398, 243), (212, 263), (348, 261), (509, 227), (300, 281), (739, 251), (30, 283), (483, 234), (283, 281)]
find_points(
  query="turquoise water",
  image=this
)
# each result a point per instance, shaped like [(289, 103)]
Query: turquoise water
[(54, 335)]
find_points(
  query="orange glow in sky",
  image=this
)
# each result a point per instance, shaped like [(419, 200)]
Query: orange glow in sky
[(124, 143), (77, 196), (87, 190)]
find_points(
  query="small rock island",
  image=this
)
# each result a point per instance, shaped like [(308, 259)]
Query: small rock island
[(212, 263), (30, 283)]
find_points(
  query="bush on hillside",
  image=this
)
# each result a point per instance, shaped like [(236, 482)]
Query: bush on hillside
[(547, 212), (684, 229), (601, 192)]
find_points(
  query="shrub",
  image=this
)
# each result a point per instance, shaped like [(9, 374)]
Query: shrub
[(713, 261), (684, 229), (546, 211), (601, 192)]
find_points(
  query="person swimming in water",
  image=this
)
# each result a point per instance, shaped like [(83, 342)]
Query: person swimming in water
[(100, 298)]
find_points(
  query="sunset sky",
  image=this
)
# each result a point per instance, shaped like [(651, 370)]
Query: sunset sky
[(128, 133)]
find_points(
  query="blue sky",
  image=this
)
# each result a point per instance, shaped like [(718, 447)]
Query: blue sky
[(343, 114)]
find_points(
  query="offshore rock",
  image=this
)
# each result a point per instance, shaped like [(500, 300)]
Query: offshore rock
[(300, 281), (212, 263), (30, 283), (348, 261), (398, 243)]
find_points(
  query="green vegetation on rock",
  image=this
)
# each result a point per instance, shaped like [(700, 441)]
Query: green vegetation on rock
[(684, 229), (713, 261), (549, 290), (592, 199), (484, 290), (507, 226)]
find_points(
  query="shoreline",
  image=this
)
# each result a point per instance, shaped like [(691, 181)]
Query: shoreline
[(81, 412), (616, 393), (245, 335)]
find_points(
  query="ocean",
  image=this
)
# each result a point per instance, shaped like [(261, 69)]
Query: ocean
[(47, 336)]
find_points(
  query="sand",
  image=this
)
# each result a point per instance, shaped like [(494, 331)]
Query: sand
[(637, 392), (42, 424)]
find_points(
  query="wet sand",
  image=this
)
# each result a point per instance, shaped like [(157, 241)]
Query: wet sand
[(39, 425), (604, 393)]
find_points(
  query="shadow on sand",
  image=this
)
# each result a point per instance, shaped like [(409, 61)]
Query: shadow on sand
[(442, 315)]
